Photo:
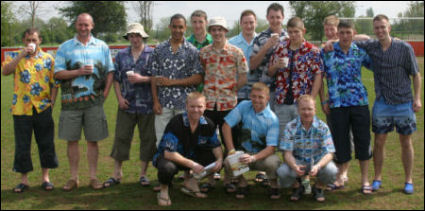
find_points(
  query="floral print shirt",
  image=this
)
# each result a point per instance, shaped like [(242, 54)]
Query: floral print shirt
[(306, 63), (222, 68), (183, 63), (33, 80)]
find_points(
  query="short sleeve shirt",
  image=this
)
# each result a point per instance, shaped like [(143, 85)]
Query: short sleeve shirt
[(306, 63), (182, 64), (307, 146), (83, 91), (138, 95), (222, 68), (33, 80), (208, 40), (392, 70), (343, 72), (263, 126), (179, 138), (262, 69)]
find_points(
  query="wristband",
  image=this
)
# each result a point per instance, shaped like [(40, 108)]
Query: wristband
[(232, 152)]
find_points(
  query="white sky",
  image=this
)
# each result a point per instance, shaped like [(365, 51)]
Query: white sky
[(230, 10)]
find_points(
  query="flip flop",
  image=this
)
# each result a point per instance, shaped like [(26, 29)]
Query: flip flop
[(160, 199), (206, 187), (111, 182), (192, 193), (144, 181), (366, 190), (20, 188), (230, 188), (333, 187), (47, 186)]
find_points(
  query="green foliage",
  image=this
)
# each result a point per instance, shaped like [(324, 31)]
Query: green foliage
[(108, 16), (8, 21), (313, 13)]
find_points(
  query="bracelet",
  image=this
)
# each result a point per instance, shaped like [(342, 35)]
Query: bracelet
[(253, 159), (232, 152)]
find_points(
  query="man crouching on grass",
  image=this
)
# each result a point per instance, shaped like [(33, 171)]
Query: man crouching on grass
[(189, 143)]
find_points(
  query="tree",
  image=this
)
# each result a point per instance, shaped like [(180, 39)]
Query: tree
[(145, 9), (8, 21), (32, 9), (370, 13), (313, 13), (110, 15), (364, 24), (412, 27)]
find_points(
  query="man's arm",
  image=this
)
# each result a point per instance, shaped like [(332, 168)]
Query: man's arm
[(290, 160), (242, 79), (255, 60), (227, 135), (11, 67), (317, 83), (179, 159), (53, 95), (109, 79), (70, 74), (156, 104), (189, 81), (322, 163), (417, 104)]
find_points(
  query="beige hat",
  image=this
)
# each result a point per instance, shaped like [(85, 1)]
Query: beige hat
[(218, 21), (136, 28)]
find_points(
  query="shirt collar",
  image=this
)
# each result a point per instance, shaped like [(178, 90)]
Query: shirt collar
[(353, 46), (263, 112), (92, 40), (202, 120), (315, 123), (241, 38)]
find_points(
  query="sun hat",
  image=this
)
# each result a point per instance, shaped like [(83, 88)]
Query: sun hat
[(218, 21), (136, 28)]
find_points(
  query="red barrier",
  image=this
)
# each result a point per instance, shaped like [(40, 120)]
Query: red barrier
[(418, 47)]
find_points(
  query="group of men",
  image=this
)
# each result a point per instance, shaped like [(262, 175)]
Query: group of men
[(258, 91)]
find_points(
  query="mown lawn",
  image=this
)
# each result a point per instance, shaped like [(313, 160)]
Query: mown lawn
[(130, 195)]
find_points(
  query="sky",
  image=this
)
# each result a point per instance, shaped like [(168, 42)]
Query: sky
[(230, 10)]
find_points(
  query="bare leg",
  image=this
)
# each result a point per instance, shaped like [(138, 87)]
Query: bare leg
[(407, 156), (92, 156), (73, 158), (378, 154)]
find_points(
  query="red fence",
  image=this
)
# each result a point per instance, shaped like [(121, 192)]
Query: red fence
[(418, 47)]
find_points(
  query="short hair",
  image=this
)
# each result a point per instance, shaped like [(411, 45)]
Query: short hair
[(85, 14), (30, 31), (199, 13), (177, 16), (306, 98), (275, 7), (346, 24), (194, 95), (259, 86), (331, 20), (295, 22), (246, 13), (381, 17)]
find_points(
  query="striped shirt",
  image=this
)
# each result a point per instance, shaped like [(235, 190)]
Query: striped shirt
[(392, 69)]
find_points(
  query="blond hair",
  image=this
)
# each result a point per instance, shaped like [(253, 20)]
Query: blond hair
[(261, 87), (296, 22), (194, 95), (331, 20), (303, 98)]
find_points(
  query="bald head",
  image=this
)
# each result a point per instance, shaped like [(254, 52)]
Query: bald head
[(85, 17), (84, 26)]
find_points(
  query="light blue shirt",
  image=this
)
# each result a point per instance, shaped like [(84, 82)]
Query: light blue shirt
[(240, 42), (83, 91), (264, 126)]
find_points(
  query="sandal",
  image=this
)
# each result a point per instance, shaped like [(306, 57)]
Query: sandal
[(297, 193), (70, 185), (242, 192), (111, 182), (47, 186), (319, 194), (230, 188), (195, 194), (217, 176), (274, 193), (163, 202), (95, 184), (20, 188), (376, 184), (333, 187), (144, 181), (206, 187), (260, 177), (366, 190)]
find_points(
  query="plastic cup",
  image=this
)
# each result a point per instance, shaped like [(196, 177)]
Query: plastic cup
[(286, 61), (33, 46), (131, 72)]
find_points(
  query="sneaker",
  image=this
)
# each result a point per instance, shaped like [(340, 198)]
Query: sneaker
[(408, 188), (376, 184)]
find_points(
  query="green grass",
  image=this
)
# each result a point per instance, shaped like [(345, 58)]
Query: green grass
[(130, 195)]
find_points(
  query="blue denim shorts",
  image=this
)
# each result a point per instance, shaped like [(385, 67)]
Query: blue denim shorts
[(385, 117)]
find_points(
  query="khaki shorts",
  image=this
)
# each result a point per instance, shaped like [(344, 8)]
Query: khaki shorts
[(92, 120), (124, 135)]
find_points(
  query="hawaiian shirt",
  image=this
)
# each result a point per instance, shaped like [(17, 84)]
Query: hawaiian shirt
[(263, 127), (262, 70), (343, 72), (208, 40), (33, 80), (87, 90), (178, 137), (308, 147), (138, 95), (182, 64), (240, 42), (222, 68), (306, 63)]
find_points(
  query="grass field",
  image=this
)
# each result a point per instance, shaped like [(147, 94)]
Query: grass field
[(130, 195)]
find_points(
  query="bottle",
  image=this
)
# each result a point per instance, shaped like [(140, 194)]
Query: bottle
[(306, 184)]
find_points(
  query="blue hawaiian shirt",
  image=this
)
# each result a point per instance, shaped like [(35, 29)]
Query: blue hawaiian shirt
[(263, 126), (86, 90), (182, 64), (138, 95), (307, 146), (179, 138), (343, 73)]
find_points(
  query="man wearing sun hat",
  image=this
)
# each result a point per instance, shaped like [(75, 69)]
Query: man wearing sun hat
[(133, 91), (225, 73)]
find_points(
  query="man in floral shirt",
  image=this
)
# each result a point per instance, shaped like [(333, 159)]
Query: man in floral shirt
[(299, 75), (177, 70), (34, 96)]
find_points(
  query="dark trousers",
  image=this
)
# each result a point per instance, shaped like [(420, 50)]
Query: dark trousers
[(43, 126), (218, 118), (167, 169)]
